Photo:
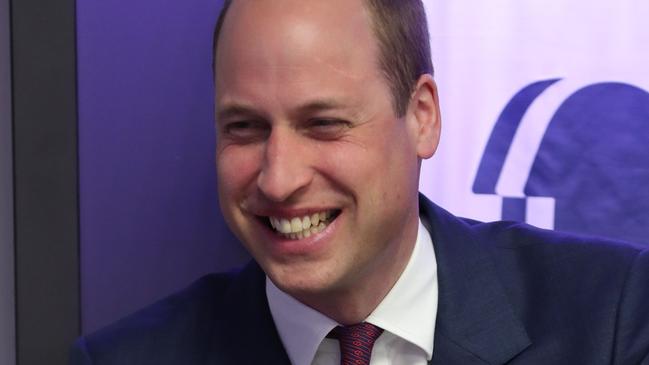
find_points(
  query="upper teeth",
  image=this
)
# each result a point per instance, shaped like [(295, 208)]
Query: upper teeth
[(299, 224)]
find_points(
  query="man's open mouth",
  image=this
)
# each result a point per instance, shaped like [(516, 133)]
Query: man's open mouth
[(297, 228)]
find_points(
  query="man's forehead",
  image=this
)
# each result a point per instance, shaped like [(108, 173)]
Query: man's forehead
[(294, 44)]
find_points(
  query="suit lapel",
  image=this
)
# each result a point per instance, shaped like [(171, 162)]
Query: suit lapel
[(475, 322)]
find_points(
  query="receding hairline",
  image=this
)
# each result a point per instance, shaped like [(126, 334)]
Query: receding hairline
[(402, 42), (225, 9)]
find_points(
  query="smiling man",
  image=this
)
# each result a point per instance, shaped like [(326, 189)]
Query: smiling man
[(317, 172), (325, 110)]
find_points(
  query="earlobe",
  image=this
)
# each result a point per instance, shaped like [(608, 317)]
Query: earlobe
[(424, 110)]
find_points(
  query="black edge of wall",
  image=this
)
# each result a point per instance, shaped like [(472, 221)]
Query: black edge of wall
[(7, 269), (45, 179)]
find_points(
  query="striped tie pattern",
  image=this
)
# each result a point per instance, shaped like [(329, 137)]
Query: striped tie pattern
[(356, 342)]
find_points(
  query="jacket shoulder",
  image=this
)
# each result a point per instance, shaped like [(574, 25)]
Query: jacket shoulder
[(179, 323), (585, 290), (513, 235)]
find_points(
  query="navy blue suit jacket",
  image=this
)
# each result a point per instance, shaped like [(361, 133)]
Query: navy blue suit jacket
[(508, 294)]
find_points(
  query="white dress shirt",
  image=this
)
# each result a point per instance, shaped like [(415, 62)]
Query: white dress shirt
[(407, 315)]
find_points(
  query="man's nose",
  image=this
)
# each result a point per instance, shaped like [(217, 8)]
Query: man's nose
[(286, 169)]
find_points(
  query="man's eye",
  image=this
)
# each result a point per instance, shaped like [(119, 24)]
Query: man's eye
[(247, 130), (327, 128)]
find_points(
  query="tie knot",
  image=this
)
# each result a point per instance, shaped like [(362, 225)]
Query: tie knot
[(356, 342), (362, 330)]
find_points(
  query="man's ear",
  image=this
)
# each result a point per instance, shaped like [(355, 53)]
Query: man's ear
[(423, 113)]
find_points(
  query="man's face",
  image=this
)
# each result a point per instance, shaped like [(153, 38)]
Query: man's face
[(307, 137)]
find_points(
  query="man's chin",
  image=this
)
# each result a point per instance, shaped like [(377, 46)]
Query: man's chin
[(302, 282)]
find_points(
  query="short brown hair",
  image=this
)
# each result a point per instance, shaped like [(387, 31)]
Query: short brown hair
[(401, 30)]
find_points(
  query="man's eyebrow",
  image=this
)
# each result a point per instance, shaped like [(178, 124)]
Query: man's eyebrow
[(236, 110), (243, 110)]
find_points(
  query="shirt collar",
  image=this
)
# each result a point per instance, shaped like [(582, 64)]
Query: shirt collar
[(408, 310), (300, 327)]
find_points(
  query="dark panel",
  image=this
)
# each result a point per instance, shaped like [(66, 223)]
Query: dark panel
[(45, 168), (7, 304)]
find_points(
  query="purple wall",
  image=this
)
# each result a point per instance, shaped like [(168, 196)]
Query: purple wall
[(149, 214)]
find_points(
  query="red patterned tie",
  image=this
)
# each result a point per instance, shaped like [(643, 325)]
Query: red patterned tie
[(356, 342)]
